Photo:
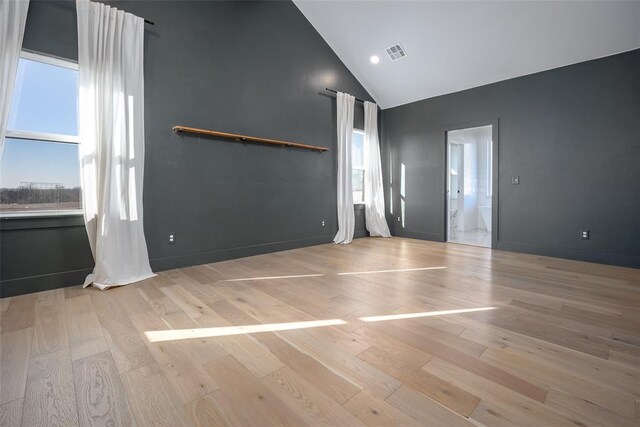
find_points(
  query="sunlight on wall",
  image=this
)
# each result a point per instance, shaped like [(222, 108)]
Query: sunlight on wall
[(402, 179), (402, 192), (391, 184)]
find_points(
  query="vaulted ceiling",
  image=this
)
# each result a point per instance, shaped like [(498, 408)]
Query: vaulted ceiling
[(454, 45)]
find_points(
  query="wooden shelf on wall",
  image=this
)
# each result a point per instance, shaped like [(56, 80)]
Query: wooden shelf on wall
[(245, 138)]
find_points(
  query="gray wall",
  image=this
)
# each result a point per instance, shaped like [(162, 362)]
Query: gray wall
[(249, 67), (572, 135)]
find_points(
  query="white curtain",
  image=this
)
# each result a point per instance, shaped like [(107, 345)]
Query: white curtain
[(373, 190), (111, 125), (13, 17), (346, 216)]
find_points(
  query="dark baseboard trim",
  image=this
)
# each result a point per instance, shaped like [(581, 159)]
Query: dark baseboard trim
[(26, 285), (180, 261), (421, 235), (570, 253), (550, 251), (360, 233), (44, 282)]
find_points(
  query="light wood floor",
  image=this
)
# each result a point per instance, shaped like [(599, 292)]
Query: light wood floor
[(379, 332)]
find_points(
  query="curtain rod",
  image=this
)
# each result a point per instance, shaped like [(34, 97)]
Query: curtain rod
[(335, 91), (146, 21)]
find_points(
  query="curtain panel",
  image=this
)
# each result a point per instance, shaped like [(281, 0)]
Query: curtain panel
[(346, 217), (111, 127), (373, 186), (13, 18)]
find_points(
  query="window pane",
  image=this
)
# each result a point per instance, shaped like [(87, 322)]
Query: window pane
[(44, 99), (357, 182), (39, 175), (357, 166), (357, 150)]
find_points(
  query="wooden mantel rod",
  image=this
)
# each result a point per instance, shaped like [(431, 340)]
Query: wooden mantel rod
[(245, 138)]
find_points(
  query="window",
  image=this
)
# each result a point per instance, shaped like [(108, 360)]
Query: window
[(40, 168), (357, 166)]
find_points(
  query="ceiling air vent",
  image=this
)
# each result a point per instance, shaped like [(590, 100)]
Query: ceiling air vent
[(396, 52)]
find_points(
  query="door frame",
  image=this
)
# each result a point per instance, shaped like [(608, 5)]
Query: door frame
[(448, 188), (495, 175)]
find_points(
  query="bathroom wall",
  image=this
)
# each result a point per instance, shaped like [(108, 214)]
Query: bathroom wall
[(470, 183), (474, 143)]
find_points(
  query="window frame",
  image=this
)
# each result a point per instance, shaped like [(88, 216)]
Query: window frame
[(44, 136), (363, 168)]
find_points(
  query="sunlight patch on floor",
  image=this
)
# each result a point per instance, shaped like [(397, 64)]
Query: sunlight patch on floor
[(274, 277), (391, 271), (298, 276), (424, 314), (184, 334)]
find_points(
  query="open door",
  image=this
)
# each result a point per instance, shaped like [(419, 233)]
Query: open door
[(470, 185)]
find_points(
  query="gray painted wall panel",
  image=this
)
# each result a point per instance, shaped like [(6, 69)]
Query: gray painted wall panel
[(257, 68), (572, 135)]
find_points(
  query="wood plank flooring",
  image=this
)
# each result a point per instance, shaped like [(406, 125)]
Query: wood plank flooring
[(380, 332)]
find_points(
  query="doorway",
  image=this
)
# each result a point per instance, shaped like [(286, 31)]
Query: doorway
[(470, 185)]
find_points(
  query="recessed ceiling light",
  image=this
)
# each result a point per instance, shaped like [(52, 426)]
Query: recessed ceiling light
[(374, 59)]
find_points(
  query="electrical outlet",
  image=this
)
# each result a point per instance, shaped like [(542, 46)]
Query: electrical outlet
[(585, 234), (323, 222), (515, 180), (172, 239), (398, 219)]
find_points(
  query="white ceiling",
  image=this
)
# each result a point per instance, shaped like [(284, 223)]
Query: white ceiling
[(456, 45)]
